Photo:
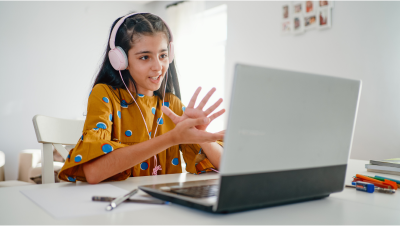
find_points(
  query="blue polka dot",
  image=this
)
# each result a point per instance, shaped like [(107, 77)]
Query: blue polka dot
[(105, 99), (166, 104), (95, 129), (113, 88), (183, 108), (160, 121), (69, 156), (71, 179), (124, 104), (153, 110), (78, 158), (90, 92), (128, 133), (175, 161), (101, 125), (140, 95), (150, 133), (106, 148), (82, 137), (144, 166), (111, 117), (119, 114), (200, 151)]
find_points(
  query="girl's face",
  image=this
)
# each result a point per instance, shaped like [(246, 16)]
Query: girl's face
[(148, 61)]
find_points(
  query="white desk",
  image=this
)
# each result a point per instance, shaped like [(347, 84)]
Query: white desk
[(347, 207)]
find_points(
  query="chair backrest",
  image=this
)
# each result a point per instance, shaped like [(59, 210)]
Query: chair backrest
[(2, 162), (55, 132)]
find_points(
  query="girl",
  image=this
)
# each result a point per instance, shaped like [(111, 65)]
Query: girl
[(125, 133)]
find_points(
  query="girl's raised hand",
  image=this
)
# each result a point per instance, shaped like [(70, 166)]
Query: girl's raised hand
[(186, 133), (194, 113)]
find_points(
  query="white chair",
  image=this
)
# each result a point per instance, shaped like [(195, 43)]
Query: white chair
[(57, 132)]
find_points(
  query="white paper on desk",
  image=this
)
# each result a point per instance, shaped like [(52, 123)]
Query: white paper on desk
[(76, 201)]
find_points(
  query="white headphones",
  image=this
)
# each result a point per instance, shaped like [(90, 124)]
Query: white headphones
[(117, 55)]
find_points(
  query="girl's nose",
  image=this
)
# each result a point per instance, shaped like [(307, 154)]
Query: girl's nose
[(157, 66)]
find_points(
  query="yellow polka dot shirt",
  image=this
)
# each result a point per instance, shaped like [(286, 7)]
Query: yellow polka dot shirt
[(112, 124)]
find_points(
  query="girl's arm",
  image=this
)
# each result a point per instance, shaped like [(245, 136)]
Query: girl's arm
[(213, 151), (124, 158)]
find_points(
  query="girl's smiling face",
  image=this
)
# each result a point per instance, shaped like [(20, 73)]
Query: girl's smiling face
[(148, 62)]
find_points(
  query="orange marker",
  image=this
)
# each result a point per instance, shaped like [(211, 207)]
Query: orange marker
[(388, 182)]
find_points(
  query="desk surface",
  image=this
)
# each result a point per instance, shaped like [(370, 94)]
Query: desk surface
[(346, 207)]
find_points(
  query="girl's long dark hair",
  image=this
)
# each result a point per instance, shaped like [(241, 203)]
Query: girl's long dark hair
[(133, 27)]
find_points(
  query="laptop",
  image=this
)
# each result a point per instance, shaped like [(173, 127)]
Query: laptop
[(288, 139)]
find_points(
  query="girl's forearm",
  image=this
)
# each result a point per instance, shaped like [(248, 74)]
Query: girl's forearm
[(122, 159), (213, 151)]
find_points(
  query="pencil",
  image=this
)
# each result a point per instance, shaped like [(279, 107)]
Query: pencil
[(109, 199)]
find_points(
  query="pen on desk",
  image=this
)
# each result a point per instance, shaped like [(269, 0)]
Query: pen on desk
[(109, 199), (114, 203)]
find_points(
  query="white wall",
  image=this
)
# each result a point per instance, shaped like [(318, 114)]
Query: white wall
[(49, 54), (42, 71), (363, 43)]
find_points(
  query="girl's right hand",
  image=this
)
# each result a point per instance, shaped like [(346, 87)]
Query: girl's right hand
[(186, 132)]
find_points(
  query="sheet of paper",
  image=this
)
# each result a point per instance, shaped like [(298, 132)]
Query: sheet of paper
[(76, 201)]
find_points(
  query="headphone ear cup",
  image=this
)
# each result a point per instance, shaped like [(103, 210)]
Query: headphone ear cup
[(118, 58), (171, 52)]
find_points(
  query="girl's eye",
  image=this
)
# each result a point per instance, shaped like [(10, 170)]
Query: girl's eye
[(144, 57), (164, 56)]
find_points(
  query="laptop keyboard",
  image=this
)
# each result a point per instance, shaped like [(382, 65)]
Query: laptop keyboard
[(203, 191)]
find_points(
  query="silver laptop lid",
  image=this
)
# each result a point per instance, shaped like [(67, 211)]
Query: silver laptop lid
[(288, 120)]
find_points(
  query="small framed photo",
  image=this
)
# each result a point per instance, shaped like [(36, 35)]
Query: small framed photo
[(310, 7), (286, 27), (310, 22), (286, 11), (325, 18), (298, 24), (324, 4), (298, 7)]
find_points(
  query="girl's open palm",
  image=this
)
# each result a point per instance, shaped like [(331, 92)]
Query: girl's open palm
[(194, 113)]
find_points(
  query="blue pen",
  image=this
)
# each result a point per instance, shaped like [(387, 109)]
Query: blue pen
[(397, 181)]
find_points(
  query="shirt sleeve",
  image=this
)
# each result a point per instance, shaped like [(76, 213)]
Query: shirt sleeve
[(194, 157), (96, 138)]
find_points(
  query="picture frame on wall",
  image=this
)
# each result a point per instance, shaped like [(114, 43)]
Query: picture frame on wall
[(324, 18), (298, 7), (310, 7), (286, 11), (325, 4), (311, 21), (298, 24), (286, 27)]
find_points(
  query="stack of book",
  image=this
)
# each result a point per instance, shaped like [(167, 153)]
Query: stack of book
[(389, 166)]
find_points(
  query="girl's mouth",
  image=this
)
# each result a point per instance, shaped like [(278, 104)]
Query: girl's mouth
[(155, 79)]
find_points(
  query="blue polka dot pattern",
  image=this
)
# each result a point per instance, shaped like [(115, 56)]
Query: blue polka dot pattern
[(153, 110), (90, 92), (150, 133), (71, 179), (69, 156), (106, 148), (175, 161), (111, 117), (82, 137), (166, 104), (124, 104), (95, 129), (78, 158), (105, 99), (101, 125), (114, 88), (128, 133), (144, 166), (160, 121), (140, 95), (119, 114), (183, 108)]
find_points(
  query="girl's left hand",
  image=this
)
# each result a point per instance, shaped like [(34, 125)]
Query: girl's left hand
[(191, 112)]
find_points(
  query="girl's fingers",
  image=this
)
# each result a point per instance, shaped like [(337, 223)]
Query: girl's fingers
[(213, 107), (196, 122), (216, 115), (194, 98), (168, 112), (206, 98)]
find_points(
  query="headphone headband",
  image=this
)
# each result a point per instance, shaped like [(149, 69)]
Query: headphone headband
[(118, 24)]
